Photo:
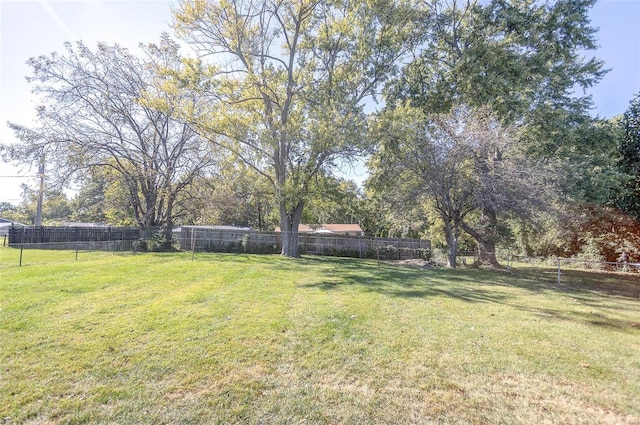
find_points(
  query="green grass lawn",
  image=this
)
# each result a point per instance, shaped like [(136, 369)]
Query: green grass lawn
[(161, 339)]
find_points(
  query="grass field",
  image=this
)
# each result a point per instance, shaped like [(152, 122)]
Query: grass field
[(161, 339)]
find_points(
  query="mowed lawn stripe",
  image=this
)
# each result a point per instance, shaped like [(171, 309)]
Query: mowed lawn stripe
[(158, 338)]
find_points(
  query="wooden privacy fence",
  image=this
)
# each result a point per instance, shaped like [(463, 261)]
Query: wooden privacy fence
[(211, 239), (107, 238)]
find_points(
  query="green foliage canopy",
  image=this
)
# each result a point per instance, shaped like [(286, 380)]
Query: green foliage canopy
[(630, 158), (287, 90), (524, 60), (95, 115)]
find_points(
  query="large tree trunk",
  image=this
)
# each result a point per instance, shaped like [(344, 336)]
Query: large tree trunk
[(487, 252), (451, 234), (289, 224), (167, 230), (485, 236)]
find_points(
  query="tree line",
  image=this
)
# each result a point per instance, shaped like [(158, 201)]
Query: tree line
[(470, 117)]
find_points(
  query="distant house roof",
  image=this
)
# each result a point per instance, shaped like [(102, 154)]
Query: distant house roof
[(6, 224), (244, 229), (4, 220), (324, 231), (79, 224), (341, 229)]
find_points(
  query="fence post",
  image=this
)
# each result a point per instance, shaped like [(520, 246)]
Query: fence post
[(193, 243), (558, 271), (24, 236)]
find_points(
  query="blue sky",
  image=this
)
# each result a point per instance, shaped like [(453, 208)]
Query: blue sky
[(32, 28), (619, 46)]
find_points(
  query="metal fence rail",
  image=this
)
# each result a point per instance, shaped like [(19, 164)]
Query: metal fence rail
[(113, 245)]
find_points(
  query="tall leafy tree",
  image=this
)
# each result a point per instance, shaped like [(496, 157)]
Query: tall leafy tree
[(508, 183), (337, 201), (630, 158), (237, 195), (593, 152), (420, 157), (103, 197), (56, 207), (7, 207), (385, 213), (466, 166), (90, 201), (522, 60), (94, 115), (287, 86)]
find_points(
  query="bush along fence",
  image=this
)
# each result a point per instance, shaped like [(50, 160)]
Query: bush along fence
[(210, 239)]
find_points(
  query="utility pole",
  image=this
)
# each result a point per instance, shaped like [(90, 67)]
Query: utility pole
[(38, 222)]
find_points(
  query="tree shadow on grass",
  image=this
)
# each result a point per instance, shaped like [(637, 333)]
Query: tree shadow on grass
[(473, 285), (404, 282), (580, 284), (597, 298), (593, 318), (600, 292)]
